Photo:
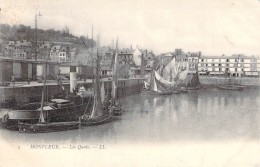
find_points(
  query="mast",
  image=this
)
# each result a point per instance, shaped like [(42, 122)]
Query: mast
[(152, 82), (171, 75), (98, 106), (114, 74), (92, 45), (41, 119), (36, 35)]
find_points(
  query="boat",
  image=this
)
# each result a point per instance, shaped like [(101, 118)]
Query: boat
[(57, 110), (100, 112), (56, 115), (231, 87), (115, 105), (47, 127), (190, 83), (166, 83)]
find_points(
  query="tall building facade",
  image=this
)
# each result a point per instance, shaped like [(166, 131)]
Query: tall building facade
[(236, 65)]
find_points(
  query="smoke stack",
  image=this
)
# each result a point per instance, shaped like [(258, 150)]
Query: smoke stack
[(73, 78)]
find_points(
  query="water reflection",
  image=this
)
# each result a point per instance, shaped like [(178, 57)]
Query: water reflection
[(198, 115)]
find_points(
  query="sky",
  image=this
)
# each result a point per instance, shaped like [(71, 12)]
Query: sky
[(214, 27)]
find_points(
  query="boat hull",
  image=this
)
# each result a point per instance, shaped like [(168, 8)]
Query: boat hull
[(149, 92), (194, 88), (231, 87), (97, 120), (67, 114), (48, 127), (117, 111)]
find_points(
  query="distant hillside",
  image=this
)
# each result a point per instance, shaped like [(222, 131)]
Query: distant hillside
[(19, 32)]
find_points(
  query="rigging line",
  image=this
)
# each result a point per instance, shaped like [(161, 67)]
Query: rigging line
[(87, 106)]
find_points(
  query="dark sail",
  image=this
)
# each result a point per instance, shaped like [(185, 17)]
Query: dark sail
[(194, 80)]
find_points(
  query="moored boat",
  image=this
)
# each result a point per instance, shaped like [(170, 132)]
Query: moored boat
[(166, 81), (57, 110), (231, 87), (52, 111), (115, 105), (100, 113), (47, 127)]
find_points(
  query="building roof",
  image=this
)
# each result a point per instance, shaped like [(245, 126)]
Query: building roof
[(181, 56), (125, 51), (235, 56)]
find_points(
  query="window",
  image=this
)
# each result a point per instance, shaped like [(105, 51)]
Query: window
[(252, 60), (227, 60), (219, 65)]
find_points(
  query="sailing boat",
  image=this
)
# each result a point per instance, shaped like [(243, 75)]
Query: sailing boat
[(100, 113), (194, 83), (115, 103), (191, 82), (167, 83)]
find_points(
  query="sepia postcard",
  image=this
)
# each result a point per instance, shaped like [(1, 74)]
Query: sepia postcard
[(130, 83)]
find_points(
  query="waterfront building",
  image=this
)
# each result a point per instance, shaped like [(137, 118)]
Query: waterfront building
[(54, 52), (20, 49), (126, 56), (235, 65), (137, 56), (193, 59), (1, 44), (62, 53), (258, 64), (182, 59)]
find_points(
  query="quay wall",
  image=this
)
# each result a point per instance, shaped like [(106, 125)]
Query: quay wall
[(247, 81), (19, 95)]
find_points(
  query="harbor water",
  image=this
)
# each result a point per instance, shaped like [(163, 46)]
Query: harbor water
[(202, 115)]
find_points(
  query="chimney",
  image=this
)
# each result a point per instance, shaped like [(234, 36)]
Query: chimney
[(73, 78)]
